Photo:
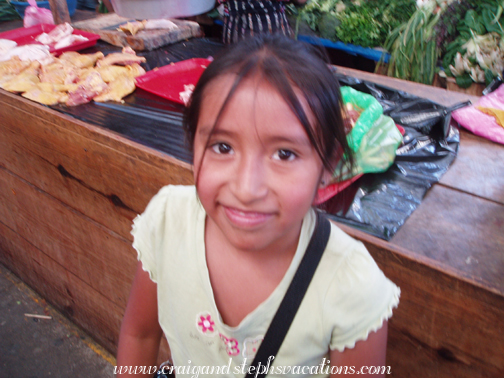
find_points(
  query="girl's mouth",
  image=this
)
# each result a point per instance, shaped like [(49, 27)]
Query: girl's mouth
[(246, 219)]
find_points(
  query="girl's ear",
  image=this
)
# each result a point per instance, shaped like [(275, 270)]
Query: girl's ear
[(325, 178)]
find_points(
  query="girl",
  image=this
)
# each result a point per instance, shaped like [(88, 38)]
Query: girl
[(244, 18), (215, 259)]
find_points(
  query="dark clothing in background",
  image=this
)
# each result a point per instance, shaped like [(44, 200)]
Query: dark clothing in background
[(243, 18)]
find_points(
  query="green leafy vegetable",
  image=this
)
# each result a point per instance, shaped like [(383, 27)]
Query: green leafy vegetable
[(365, 23), (477, 52)]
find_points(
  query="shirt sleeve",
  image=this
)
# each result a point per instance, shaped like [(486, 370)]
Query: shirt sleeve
[(359, 299), (148, 229)]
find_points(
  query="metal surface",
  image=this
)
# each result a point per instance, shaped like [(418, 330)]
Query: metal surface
[(154, 9)]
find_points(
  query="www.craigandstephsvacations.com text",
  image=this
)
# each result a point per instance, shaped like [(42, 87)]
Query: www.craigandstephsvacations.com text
[(195, 371)]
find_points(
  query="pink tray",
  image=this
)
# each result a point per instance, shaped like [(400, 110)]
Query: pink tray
[(168, 81), (25, 36)]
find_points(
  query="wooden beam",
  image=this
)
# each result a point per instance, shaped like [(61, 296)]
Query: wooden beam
[(59, 9)]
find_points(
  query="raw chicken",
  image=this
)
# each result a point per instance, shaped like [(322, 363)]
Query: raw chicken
[(86, 90), (24, 81), (186, 94), (159, 24), (71, 79), (81, 60), (128, 50), (124, 58), (136, 69), (110, 73), (131, 27), (13, 66), (27, 52), (6, 45), (59, 72), (117, 89), (58, 33), (70, 40), (55, 87), (46, 96)]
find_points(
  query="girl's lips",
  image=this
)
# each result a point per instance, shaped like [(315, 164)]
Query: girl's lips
[(246, 218)]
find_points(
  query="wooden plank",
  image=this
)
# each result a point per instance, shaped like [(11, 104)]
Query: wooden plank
[(49, 204), (460, 231), (438, 95), (174, 169), (78, 171), (478, 168), (106, 27), (59, 9), (99, 257), (445, 325), (85, 306)]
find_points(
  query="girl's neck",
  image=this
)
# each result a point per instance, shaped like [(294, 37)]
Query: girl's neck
[(284, 248), (242, 279)]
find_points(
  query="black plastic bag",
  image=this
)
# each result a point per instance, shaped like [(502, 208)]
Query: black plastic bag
[(379, 204)]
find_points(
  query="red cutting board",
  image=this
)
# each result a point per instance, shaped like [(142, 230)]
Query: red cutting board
[(168, 81), (25, 36)]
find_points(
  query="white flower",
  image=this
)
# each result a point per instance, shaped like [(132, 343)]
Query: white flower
[(484, 60), (466, 63), (498, 68), (477, 75), (459, 68), (340, 7), (471, 46)]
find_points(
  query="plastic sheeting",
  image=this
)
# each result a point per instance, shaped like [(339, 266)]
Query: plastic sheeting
[(379, 204), (479, 123), (376, 203)]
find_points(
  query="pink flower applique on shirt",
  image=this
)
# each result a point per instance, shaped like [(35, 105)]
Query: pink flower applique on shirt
[(251, 345), (205, 324), (231, 345)]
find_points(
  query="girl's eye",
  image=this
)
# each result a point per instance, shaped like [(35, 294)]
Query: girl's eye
[(285, 155), (222, 148)]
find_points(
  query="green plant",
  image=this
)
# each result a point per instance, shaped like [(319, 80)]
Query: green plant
[(7, 11), (368, 23), (476, 55), (412, 47), (365, 23)]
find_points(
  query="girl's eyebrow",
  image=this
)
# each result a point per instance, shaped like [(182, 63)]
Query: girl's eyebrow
[(291, 139), (208, 130), (205, 130)]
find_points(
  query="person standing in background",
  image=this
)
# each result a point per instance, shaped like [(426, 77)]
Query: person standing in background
[(243, 18)]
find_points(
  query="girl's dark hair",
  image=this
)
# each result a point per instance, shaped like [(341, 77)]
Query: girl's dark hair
[(285, 64)]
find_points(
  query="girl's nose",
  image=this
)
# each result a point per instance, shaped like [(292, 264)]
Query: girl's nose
[(249, 182)]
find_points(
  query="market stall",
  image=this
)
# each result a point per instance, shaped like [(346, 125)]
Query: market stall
[(72, 180)]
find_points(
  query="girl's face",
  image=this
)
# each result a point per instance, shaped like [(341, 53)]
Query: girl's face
[(259, 174)]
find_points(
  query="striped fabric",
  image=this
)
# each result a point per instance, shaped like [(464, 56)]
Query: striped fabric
[(244, 18)]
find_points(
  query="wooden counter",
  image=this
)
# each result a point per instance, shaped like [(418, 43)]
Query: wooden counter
[(69, 191)]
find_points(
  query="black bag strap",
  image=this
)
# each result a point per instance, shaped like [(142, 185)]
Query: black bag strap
[(290, 303)]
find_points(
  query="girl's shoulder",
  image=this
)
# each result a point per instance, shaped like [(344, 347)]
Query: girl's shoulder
[(344, 248), (350, 265), (168, 214), (170, 191), (170, 205), (173, 197), (354, 293)]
